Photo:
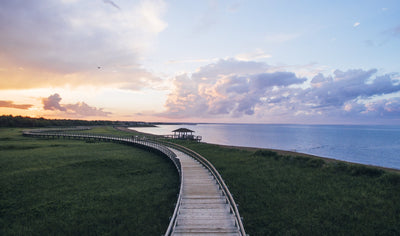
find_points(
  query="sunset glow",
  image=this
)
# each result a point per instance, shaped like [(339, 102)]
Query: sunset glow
[(239, 61)]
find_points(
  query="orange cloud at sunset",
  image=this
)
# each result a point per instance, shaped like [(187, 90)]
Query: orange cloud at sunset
[(80, 109), (14, 77), (11, 104)]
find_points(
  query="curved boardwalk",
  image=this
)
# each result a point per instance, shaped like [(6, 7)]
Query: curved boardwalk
[(203, 209)]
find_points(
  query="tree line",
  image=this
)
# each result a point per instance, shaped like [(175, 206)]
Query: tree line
[(22, 121)]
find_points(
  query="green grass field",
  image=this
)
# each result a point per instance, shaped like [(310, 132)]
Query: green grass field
[(108, 130), (67, 187), (71, 187), (298, 195)]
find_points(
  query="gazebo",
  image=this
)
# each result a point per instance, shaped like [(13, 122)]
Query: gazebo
[(183, 133)]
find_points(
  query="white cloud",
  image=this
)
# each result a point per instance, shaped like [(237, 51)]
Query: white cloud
[(228, 87), (231, 88), (192, 61), (54, 39), (257, 55), (150, 13), (356, 24)]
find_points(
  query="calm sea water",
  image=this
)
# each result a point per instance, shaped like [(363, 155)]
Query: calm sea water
[(373, 145)]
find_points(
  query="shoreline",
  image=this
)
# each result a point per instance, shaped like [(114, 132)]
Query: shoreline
[(292, 153), (280, 152)]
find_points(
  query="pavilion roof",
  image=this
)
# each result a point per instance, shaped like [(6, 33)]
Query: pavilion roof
[(183, 130)]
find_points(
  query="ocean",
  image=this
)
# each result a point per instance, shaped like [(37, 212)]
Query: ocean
[(377, 145)]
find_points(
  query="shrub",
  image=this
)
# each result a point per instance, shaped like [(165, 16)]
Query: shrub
[(265, 153), (340, 167), (301, 159), (391, 178), (315, 163), (358, 170)]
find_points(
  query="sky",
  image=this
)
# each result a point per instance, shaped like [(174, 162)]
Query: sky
[(236, 61)]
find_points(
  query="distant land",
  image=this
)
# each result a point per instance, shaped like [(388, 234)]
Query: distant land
[(24, 121)]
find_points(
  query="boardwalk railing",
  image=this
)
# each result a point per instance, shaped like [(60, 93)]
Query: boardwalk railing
[(155, 146), (140, 142), (172, 221), (136, 141), (228, 196)]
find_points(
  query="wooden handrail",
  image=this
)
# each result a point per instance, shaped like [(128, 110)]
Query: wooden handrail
[(160, 147), (176, 210), (219, 179), (137, 141), (144, 143)]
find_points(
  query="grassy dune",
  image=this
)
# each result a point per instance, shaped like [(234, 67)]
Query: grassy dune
[(67, 187), (300, 195)]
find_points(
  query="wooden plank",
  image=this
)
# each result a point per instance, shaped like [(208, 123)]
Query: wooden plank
[(203, 209)]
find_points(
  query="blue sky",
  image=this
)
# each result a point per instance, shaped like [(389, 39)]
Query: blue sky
[(202, 61), (338, 34)]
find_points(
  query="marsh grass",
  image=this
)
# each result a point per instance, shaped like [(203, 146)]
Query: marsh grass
[(69, 187), (109, 130), (301, 195)]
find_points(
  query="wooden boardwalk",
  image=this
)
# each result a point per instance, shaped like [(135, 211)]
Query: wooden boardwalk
[(203, 209)]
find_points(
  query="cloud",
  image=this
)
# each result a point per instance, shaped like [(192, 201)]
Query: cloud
[(10, 104), (231, 88), (83, 109), (191, 61), (356, 24), (112, 4), (384, 107), (347, 86), (53, 103), (231, 66), (80, 109), (150, 13), (64, 42), (258, 54), (385, 111), (228, 87)]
